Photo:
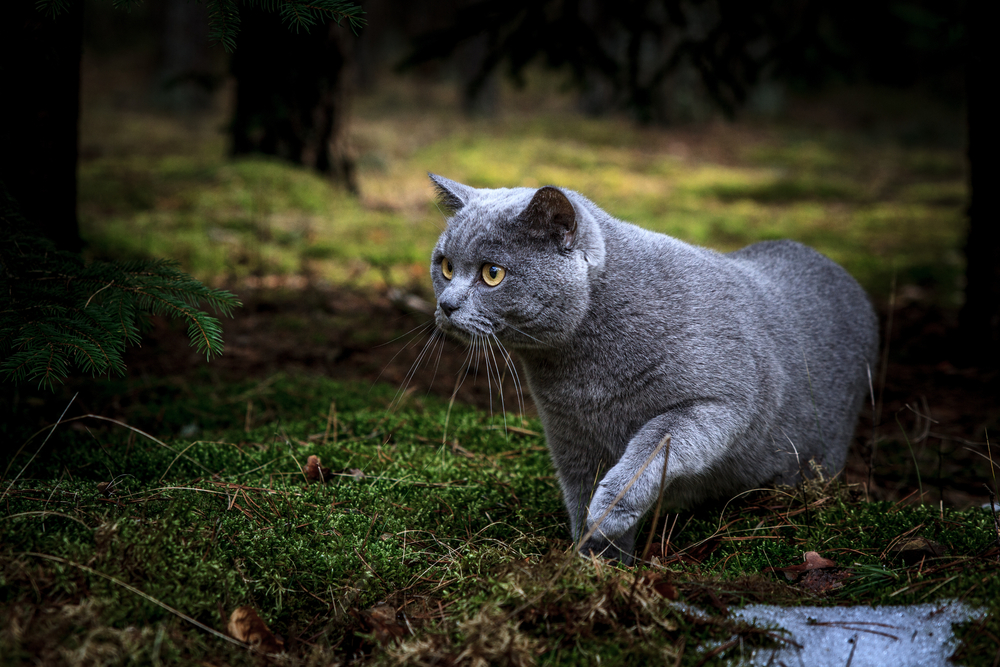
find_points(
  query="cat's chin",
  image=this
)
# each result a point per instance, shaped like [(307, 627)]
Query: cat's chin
[(446, 327), (510, 341), (459, 336)]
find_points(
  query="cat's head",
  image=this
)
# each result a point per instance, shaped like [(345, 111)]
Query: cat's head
[(514, 263)]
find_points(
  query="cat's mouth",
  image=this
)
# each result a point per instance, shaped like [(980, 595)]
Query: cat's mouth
[(445, 324), (463, 333)]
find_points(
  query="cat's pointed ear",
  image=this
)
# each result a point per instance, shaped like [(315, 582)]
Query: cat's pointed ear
[(550, 213), (452, 195)]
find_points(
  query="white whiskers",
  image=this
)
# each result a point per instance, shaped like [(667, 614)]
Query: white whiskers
[(436, 339), (485, 348)]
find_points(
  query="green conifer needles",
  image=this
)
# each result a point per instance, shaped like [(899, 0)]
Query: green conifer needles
[(224, 16), (56, 311)]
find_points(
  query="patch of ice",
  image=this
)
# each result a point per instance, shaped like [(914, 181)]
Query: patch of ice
[(917, 635)]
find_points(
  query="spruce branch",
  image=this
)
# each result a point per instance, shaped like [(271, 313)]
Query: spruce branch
[(224, 16), (223, 23), (52, 8), (127, 5), (58, 312)]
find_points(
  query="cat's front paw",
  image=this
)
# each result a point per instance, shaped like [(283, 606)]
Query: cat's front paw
[(607, 550), (615, 518), (614, 537)]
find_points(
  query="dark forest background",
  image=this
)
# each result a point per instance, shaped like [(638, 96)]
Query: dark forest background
[(294, 87)]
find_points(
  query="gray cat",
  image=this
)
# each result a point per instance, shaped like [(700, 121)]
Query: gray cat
[(754, 362)]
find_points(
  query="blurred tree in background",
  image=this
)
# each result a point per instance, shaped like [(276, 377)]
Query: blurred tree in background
[(40, 49), (293, 93), (980, 316), (637, 55), (40, 74)]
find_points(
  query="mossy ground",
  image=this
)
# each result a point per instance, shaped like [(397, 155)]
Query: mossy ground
[(439, 537), (440, 512)]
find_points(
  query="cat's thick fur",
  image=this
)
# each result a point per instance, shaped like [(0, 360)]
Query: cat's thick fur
[(754, 362)]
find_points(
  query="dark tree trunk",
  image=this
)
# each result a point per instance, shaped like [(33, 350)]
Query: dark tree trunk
[(39, 116), (979, 320), (188, 75), (292, 94)]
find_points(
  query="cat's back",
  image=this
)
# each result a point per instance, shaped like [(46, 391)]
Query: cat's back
[(797, 280), (789, 261), (824, 332)]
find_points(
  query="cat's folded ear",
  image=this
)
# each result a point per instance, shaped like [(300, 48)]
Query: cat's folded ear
[(452, 195), (551, 214)]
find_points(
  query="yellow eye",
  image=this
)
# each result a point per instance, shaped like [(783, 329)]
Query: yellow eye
[(493, 274), (446, 269)]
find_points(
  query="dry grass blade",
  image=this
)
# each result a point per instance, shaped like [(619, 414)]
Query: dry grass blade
[(854, 647), (659, 505), (159, 442), (665, 442), (48, 513), (51, 431), (717, 650), (993, 496), (133, 589)]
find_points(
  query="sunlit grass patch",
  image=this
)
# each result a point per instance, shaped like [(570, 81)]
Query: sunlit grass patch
[(879, 208), (788, 189), (814, 153), (250, 217)]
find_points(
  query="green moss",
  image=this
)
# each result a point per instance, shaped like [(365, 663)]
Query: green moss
[(229, 519)]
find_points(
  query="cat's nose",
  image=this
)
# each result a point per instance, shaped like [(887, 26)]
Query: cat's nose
[(447, 307)]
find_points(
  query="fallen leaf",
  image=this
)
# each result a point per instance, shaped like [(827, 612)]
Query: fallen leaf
[(659, 583), (816, 574), (824, 579), (246, 626), (106, 489), (356, 473), (915, 549), (314, 470), (813, 561), (384, 623)]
